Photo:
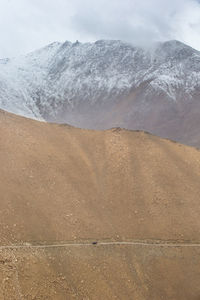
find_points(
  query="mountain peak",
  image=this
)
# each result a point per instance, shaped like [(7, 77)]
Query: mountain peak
[(82, 83), (176, 49)]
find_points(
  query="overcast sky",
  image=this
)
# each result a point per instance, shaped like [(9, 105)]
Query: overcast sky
[(26, 25)]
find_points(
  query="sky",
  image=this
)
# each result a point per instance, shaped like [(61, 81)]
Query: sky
[(26, 25)]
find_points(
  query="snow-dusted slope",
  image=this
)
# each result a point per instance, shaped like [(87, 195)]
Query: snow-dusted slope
[(21, 78), (101, 84)]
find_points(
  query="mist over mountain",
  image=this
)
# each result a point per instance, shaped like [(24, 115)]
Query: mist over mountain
[(107, 84)]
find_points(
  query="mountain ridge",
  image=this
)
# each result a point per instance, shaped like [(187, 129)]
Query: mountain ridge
[(107, 84)]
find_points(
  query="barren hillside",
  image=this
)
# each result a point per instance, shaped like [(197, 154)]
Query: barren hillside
[(107, 84), (62, 188)]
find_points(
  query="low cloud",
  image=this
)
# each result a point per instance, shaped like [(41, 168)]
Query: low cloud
[(140, 22), (28, 25)]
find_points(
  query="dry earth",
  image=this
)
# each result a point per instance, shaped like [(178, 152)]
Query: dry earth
[(60, 185)]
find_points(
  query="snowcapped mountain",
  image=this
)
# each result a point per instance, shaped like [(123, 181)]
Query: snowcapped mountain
[(107, 84)]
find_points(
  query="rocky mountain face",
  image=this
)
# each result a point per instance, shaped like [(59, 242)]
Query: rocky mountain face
[(108, 84)]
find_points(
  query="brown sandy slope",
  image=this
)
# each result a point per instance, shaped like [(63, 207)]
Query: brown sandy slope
[(61, 185)]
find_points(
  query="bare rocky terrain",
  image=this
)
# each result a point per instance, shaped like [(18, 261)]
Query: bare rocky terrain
[(63, 188)]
